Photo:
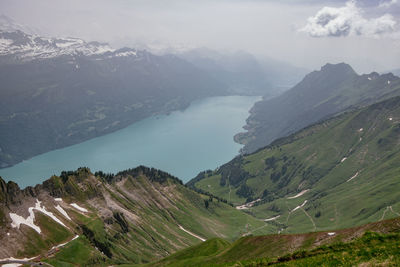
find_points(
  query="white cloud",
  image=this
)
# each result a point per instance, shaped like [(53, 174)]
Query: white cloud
[(386, 4), (347, 21)]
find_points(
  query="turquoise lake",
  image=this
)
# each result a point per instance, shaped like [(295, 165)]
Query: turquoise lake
[(182, 143)]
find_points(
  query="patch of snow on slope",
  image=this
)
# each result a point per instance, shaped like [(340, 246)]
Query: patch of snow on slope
[(299, 194), (298, 207), (58, 199), (63, 212), (18, 220), (29, 221), (76, 206), (352, 177), (272, 219), (125, 54), (190, 233), (343, 159), (63, 244), (48, 213), (14, 259)]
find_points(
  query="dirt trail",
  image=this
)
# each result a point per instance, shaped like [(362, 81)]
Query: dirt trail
[(398, 214), (190, 233), (308, 215), (384, 212)]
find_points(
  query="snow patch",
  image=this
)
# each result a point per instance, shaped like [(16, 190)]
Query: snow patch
[(63, 212), (76, 206), (247, 205), (343, 159), (18, 220), (299, 194), (125, 54), (298, 207), (390, 119), (388, 82), (48, 213), (361, 129), (190, 233), (14, 259), (331, 233), (63, 244), (58, 199), (272, 219), (8, 234), (352, 177), (369, 78)]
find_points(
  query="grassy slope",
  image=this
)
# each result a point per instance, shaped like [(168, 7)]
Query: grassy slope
[(133, 217), (373, 243), (312, 159), (333, 89)]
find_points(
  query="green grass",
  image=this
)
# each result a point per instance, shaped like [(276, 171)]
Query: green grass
[(77, 252), (52, 234), (311, 159), (349, 247)]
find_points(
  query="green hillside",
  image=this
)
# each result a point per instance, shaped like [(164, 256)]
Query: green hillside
[(321, 94), (371, 245), (338, 173), (136, 216)]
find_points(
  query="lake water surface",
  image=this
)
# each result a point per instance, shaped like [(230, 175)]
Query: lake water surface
[(182, 143)]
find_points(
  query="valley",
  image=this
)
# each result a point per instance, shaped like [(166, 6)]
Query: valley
[(182, 143), (199, 133)]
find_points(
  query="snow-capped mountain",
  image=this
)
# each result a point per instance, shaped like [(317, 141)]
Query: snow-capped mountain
[(27, 47), (18, 45)]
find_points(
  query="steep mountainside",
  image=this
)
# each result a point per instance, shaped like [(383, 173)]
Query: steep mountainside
[(320, 94), (338, 173), (135, 216), (60, 91)]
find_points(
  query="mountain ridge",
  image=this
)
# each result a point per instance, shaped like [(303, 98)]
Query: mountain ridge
[(331, 90), (134, 216)]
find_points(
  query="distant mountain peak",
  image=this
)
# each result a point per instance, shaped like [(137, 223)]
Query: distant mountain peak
[(344, 67)]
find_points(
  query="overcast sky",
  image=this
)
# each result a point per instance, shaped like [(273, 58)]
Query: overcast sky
[(307, 33)]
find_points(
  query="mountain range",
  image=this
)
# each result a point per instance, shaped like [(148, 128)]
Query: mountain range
[(57, 92), (316, 184), (60, 91), (321, 94)]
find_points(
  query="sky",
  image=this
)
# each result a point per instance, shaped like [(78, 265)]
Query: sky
[(305, 33)]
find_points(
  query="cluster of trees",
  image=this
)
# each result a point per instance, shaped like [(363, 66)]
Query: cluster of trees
[(153, 174), (233, 172), (211, 196)]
